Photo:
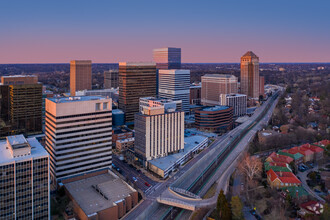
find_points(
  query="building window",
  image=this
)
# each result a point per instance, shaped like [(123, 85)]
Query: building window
[(105, 105), (97, 106)]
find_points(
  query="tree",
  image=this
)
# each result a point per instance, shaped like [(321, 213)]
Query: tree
[(326, 212), (220, 202), (236, 208), (250, 167), (225, 212)]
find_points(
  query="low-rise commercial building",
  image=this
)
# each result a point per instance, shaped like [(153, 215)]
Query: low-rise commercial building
[(100, 195), (121, 133), (214, 119), (123, 145), (165, 165)]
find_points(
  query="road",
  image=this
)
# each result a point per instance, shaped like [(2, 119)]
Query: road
[(186, 176), (303, 178), (130, 172)]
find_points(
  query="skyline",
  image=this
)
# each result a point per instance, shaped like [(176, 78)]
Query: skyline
[(208, 32)]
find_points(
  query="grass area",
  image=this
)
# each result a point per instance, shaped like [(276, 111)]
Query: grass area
[(211, 191)]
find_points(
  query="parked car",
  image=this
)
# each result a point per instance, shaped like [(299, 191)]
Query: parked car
[(147, 184), (134, 178)]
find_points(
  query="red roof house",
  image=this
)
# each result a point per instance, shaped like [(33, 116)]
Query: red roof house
[(277, 158), (282, 179)]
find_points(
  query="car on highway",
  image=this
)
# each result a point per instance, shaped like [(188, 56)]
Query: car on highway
[(147, 184), (134, 178)]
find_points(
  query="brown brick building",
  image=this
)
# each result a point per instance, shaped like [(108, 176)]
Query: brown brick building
[(100, 195), (80, 75)]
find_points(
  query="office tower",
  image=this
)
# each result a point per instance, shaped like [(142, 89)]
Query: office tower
[(159, 129), (24, 176), (111, 79), (136, 80), (167, 58), (21, 105), (80, 75), (175, 84), (237, 101), (262, 85), (250, 75), (215, 84), (78, 135)]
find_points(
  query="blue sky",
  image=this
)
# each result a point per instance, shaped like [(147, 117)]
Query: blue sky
[(207, 31)]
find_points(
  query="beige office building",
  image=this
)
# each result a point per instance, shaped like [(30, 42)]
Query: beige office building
[(250, 75), (215, 84), (159, 129), (80, 75), (78, 135)]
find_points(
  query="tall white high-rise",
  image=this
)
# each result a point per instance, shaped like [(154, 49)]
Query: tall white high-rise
[(159, 128), (78, 134), (237, 101), (24, 179), (175, 84)]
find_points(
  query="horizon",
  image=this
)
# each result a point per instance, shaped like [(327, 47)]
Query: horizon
[(207, 32)]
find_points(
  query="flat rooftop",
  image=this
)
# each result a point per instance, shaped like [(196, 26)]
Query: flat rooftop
[(17, 76), (120, 130), (16, 139), (235, 95), (99, 192), (189, 143), (219, 75), (36, 150), (216, 108), (76, 99)]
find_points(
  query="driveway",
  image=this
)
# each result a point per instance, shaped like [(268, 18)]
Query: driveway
[(303, 178)]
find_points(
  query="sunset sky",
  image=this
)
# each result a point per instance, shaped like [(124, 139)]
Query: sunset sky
[(214, 31)]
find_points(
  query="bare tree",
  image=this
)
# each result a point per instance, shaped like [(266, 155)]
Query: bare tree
[(250, 167)]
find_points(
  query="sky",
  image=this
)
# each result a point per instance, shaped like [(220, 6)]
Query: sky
[(208, 31)]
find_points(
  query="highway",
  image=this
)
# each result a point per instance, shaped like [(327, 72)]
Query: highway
[(197, 176)]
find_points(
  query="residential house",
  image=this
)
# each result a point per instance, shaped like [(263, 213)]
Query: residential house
[(277, 167), (294, 154), (318, 152), (282, 179), (277, 158)]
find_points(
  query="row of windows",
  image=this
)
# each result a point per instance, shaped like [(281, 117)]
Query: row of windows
[(50, 132), (79, 120), (88, 159), (80, 115), (85, 170), (77, 126)]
